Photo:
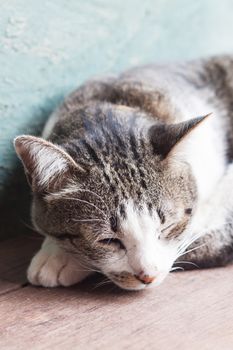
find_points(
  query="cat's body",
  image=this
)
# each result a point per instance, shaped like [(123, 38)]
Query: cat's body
[(132, 156)]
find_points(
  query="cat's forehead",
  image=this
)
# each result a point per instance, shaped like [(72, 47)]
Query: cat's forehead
[(126, 176), (136, 218)]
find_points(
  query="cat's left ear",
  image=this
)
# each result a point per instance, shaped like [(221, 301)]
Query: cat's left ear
[(166, 137), (47, 166)]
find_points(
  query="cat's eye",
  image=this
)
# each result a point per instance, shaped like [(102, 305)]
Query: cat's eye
[(165, 231), (113, 223), (167, 227), (64, 236), (112, 242), (161, 216)]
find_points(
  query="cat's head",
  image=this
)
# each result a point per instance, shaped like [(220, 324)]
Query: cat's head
[(121, 207)]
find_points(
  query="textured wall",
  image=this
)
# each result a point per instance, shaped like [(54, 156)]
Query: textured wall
[(49, 47)]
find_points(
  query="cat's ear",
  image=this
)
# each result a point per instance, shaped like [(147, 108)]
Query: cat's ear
[(47, 166), (166, 138)]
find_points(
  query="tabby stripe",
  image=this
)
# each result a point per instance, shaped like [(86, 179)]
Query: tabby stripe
[(92, 153), (107, 178), (122, 210), (133, 145), (143, 184)]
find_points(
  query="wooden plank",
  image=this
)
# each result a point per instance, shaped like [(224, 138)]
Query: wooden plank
[(6, 286), (190, 310)]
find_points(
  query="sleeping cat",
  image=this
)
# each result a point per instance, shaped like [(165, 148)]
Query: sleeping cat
[(133, 176)]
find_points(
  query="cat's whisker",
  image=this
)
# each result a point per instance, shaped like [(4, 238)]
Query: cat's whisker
[(88, 220), (102, 283), (191, 250), (90, 267), (187, 242), (186, 262), (176, 268), (89, 191), (116, 260), (27, 225), (86, 202), (85, 266)]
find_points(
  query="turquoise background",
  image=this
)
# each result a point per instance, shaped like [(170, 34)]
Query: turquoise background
[(49, 47)]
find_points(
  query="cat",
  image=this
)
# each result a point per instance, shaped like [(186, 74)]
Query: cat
[(133, 176)]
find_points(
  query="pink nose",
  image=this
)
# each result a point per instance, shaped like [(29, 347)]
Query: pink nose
[(146, 279)]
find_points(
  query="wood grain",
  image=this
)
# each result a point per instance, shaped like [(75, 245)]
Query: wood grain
[(190, 310)]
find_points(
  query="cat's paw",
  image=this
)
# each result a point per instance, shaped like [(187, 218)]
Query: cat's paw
[(51, 267)]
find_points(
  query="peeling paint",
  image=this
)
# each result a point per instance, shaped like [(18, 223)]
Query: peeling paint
[(15, 27), (45, 50)]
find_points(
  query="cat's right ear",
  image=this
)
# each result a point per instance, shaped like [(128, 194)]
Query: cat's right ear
[(166, 137), (48, 167)]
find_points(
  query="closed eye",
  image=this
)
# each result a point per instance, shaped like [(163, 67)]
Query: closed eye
[(112, 241), (64, 236)]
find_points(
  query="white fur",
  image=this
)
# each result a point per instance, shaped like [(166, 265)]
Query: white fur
[(212, 214), (145, 252), (52, 267)]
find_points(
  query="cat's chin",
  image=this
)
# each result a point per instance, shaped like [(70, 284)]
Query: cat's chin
[(137, 287), (140, 286)]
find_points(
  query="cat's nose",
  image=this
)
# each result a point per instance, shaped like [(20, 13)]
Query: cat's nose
[(144, 278)]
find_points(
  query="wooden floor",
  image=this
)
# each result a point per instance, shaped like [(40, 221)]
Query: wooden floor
[(191, 310)]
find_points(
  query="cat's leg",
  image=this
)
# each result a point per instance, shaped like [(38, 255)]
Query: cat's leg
[(214, 221), (52, 267)]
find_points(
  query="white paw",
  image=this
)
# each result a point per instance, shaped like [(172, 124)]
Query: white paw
[(51, 267)]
